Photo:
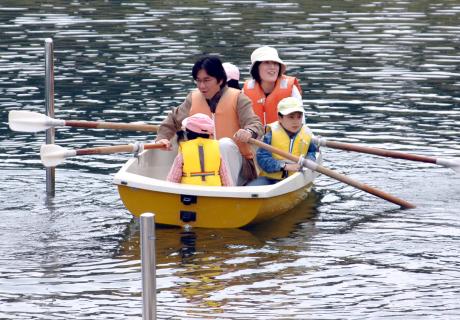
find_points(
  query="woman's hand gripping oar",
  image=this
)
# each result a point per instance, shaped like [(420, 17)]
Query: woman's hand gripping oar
[(28, 121), (51, 155), (318, 168), (449, 163)]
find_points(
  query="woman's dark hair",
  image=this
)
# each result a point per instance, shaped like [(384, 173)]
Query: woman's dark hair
[(255, 71), (232, 83), (213, 66)]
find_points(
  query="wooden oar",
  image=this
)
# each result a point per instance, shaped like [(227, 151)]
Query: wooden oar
[(28, 121), (318, 168), (51, 155), (449, 163)]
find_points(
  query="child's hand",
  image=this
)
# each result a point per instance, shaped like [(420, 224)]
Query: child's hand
[(292, 167)]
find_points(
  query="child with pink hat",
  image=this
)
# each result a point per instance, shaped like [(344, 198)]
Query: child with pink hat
[(199, 161)]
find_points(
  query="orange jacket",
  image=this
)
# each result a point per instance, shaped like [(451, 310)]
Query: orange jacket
[(266, 106), (225, 118)]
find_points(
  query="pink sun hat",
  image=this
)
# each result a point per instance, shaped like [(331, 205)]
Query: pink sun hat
[(232, 71), (199, 123)]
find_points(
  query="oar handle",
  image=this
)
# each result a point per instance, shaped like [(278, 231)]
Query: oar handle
[(105, 150), (27, 121), (272, 149), (111, 125), (359, 185), (347, 180), (117, 149), (376, 151)]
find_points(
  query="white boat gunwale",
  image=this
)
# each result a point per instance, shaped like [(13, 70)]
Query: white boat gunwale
[(143, 188), (126, 177)]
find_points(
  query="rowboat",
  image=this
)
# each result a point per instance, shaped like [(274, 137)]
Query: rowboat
[(143, 188)]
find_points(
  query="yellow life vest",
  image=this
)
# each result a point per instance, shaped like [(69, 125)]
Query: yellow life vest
[(201, 162), (281, 140)]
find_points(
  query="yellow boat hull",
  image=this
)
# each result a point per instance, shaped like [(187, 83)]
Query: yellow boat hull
[(209, 212), (143, 188)]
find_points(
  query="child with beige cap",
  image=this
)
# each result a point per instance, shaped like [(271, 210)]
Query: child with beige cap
[(288, 134)]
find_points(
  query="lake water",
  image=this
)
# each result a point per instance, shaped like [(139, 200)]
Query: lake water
[(377, 73)]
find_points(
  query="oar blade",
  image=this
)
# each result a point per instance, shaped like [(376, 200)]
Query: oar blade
[(454, 164), (27, 121), (51, 155)]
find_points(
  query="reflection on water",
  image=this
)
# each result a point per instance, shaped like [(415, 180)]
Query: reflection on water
[(384, 74), (207, 262)]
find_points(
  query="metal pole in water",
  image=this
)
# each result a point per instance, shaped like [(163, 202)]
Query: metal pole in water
[(49, 106), (148, 263)]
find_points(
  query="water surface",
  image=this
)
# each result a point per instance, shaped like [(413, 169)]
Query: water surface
[(382, 74)]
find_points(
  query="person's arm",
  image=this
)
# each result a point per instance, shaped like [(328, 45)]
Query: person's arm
[(311, 153), (312, 148), (175, 173), (173, 121), (248, 119), (265, 158), (296, 93), (225, 175)]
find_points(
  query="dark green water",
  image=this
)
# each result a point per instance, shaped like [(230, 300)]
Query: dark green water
[(383, 74)]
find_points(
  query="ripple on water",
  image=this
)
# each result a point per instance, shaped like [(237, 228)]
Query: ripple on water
[(381, 74)]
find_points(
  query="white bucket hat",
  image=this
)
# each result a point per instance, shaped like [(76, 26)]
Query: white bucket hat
[(266, 53)]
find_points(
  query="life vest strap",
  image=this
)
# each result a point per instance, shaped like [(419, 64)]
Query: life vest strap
[(201, 155), (200, 174)]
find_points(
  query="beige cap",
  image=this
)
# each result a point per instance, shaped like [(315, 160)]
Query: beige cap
[(290, 105), (266, 53)]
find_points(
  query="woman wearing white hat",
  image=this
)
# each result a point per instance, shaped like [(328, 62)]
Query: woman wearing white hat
[(269, 84)]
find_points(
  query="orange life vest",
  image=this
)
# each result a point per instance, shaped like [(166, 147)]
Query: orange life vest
[(266, 106), (225, 118)]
